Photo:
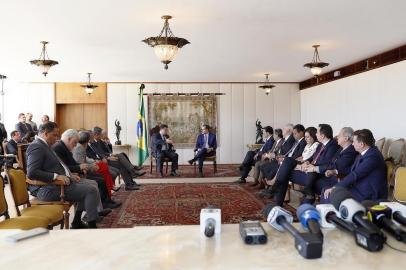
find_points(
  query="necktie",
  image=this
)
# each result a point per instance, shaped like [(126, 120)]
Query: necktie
[(67, 171), (91, 148), (318, 154)]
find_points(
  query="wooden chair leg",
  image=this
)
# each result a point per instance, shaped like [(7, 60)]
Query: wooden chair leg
[(150, 165), (215, 166), (66, 220), (287, 200)]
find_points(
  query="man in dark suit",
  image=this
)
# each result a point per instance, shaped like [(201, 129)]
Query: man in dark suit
[(26, 132), (160, 150), (252, 156), (127, 172), (327, 175), (206, 146), (269, 169), (367, 178), (44, 164), (12, 144), (292, 154), (3, 133), (323, 156), (63, 149)]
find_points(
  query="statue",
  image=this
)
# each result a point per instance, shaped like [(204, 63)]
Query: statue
[(118, 130), (259, 139)]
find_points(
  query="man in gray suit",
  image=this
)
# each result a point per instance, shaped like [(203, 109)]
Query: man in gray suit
[(43, 164)]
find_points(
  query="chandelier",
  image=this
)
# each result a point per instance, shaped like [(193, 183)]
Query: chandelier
[(316, 65), (166, 45), (89, 87), (267, 86), (44, 63)]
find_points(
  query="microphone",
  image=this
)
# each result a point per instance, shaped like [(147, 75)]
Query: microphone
[(308, 245), (381, 216), (310, 219), (330, 218), (352, 211), (210, 221), (398, 211)]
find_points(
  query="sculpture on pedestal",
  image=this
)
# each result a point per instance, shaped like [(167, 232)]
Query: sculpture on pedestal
[(118, 130), (259, 138)]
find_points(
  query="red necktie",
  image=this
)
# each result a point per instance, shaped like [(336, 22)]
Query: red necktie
[(318, 155)]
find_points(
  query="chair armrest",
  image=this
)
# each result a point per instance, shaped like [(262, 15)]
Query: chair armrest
[(55, 182)]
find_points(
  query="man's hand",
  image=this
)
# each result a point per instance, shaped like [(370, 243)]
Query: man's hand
[(75, 177), (114, 158), (327, 193), (310, 168), (84, 167), (169, 141), (95, 167), (64, 179), (330, 173)]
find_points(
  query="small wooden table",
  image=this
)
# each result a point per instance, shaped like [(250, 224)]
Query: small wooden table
[(122, 148)]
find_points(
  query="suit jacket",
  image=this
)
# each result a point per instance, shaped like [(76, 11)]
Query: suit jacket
[(326, 155), (66, 156), (80, 156), (267, 146), (212, 141), (156, 143), (297, 152), (12, 147), (286, 145), (367, 178), (100, 148), (91, 153), (42, 162), (25, 130), (342, 161)]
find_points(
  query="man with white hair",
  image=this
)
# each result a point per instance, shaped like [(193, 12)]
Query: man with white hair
[(63, 149)]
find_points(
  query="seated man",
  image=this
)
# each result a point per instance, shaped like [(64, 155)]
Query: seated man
[(12, 144), (206, 146), (252, 156), (26, 132), (367, 178), (265, 158), (161, 149), (323, 156), (63, 149), (328, 175), (43, 164), (293, 153)]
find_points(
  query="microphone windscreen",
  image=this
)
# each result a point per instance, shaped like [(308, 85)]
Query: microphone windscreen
[(268, 209), (304, 207), (338, 195), (368, 203)]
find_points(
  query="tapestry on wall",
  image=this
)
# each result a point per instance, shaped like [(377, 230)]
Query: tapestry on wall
[(184, 115)]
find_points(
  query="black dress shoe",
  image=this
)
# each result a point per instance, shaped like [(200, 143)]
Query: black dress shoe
[(115, 189), (128, 188), (138, 168), (135, 184), (241, 181), (174, 174), (99, 219), (105, 211), (78, 225), (114, 204), (191, 161)]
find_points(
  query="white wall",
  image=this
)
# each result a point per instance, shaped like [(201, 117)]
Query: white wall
[(375, 99), (238, 109), (37, 98)]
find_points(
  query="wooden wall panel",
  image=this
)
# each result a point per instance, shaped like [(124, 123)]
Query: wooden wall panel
[(68, 93), (79, 116), (94, 115)]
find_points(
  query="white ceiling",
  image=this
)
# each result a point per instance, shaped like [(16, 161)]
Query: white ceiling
[(235, 40)]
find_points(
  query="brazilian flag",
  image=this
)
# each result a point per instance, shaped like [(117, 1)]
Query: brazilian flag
[(142, 139)]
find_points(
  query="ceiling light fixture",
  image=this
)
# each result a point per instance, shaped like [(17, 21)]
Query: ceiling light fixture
[(267, 86), (89, 87), (316, 65), (166, 45), (44, 63)]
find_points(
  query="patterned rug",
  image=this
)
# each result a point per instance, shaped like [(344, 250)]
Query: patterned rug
[(188, 171), (175, 204)]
